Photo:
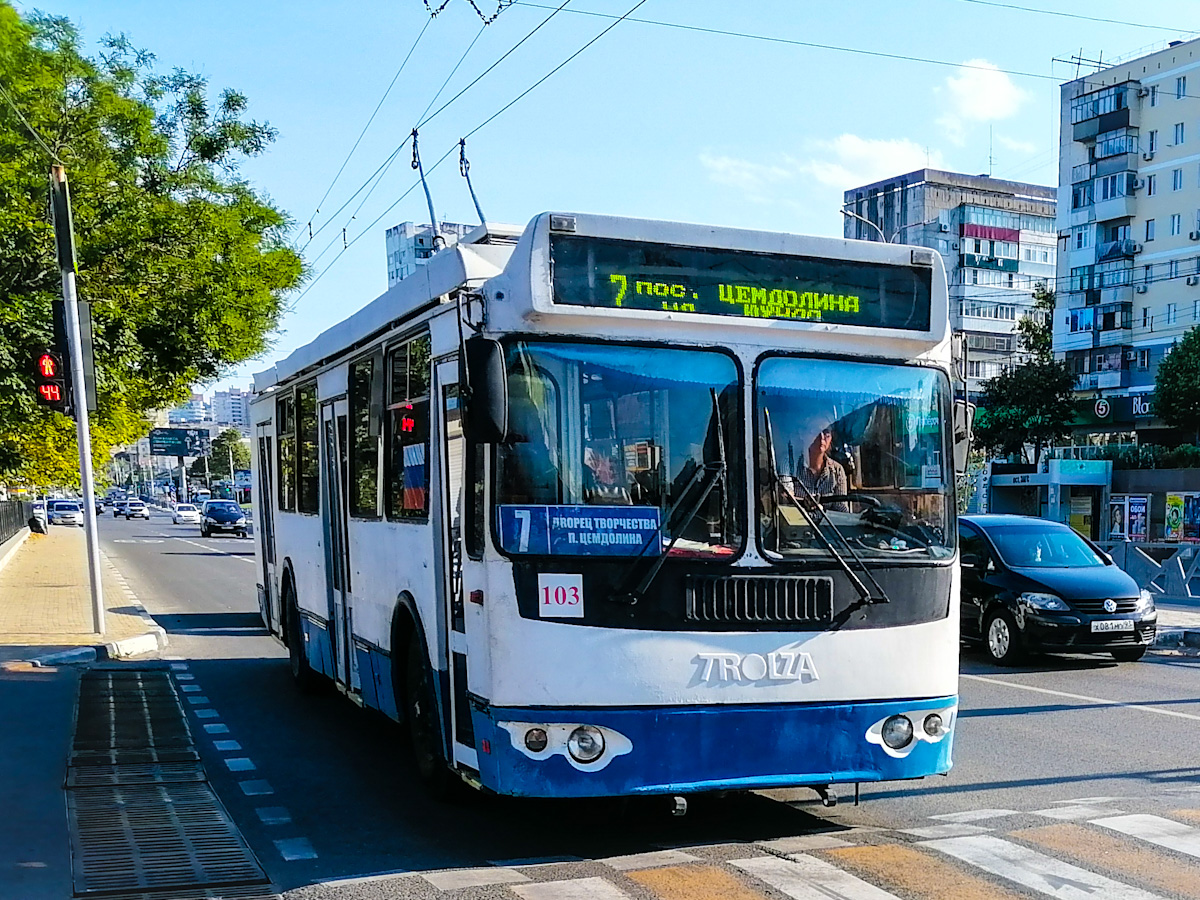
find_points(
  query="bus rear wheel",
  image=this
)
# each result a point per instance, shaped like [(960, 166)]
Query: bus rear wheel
[(303, 675), (424, 730)]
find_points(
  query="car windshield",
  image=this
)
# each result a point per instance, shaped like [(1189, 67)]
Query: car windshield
[(223, 505), (136, 503), (1036, 546), (620, 451), (867, 443), (67, 507), (185, 507)]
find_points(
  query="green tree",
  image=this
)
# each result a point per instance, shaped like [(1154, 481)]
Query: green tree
[(1032, 405), (1177, 385), (1035, 330), (218, 461), (184, 263)]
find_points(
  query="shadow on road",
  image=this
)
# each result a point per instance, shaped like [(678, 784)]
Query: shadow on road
[(231, 624)]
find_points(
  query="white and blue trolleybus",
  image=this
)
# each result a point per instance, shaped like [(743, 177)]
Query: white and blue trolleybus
[(607, 506)]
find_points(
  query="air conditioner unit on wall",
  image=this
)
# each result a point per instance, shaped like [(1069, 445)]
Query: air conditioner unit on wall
[(1144, 92), (1194, 235), (1140, 288), (1137, 248), (944, 227), (1193, 279), (1148, 155)]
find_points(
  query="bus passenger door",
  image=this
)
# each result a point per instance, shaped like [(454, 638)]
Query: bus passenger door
[(450, 449), (265, 506), (334, 460)]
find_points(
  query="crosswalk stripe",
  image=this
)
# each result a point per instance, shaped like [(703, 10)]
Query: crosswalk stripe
[(1034, 870), (1074, 812), (947, 830), (1117, 856), (975, 815), (649, 860), (907, 869), (452, 879), (693, 883), (808, 878), (1156, 830), (572, 889)]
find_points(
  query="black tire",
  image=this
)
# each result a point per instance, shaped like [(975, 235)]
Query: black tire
[(304, 676), (1128, 654), (203, 532), (1002, 638), (424, 729)]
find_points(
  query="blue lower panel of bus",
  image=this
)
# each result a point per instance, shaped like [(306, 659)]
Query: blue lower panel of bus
[(687, 749)]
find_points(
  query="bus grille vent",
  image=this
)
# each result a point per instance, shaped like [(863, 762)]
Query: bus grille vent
[(748, 598)]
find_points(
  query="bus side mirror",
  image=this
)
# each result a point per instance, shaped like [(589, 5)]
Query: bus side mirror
[(963, 418), (486, 386)]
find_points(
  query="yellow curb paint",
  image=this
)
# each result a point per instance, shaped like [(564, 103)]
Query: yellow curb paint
[(698, 882), (904, 869)]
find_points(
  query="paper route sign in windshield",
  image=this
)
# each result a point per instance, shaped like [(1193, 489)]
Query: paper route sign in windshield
[(580, 530)]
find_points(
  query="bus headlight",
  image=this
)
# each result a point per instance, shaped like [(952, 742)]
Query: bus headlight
[(934, 725), (536, 740), (897, 732), (586, 744)]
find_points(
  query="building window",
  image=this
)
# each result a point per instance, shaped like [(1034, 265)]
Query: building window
[(1173, 268), (1028, 254), (1177, 180), (408, 430), (307, 495), (1171, 310), (1178, 132), (285, 442), (1045, 256), (1180, 87), (1147, 274), (1149, 229), (1154, 95), (1083, 238), (1152, 141), (1143, 360), (363, 490), (1176, 223), (1196, 310), (1145, 317), (1151, 185)]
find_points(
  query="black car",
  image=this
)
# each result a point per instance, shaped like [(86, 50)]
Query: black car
[(222, 517), (1036, 585)]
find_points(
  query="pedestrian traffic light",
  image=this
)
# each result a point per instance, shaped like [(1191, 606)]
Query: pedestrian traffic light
[(50, 382)]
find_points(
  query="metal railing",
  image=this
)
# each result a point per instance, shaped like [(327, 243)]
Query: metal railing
[(14, 515)]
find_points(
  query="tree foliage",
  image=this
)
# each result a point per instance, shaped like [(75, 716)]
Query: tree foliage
[(218, 462), (1032, 404), (1177, 385), (184, 263)]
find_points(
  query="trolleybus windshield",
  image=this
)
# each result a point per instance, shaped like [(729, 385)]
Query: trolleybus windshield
[(619, 274)]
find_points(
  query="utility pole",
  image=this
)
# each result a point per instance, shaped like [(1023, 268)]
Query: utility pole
[(64, 237), (232, 483)]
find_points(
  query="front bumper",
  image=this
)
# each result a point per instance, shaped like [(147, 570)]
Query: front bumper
[(1072, 632), (661, 750), (225, 526)]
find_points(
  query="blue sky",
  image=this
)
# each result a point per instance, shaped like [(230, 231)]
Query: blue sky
[(650, 121)]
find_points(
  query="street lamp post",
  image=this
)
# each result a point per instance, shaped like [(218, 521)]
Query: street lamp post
[(878, 230)]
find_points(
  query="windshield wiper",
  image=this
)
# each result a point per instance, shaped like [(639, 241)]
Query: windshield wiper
[(707, 476), (862, 589)]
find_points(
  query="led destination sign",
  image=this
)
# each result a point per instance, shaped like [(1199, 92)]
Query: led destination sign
[(618, 274)]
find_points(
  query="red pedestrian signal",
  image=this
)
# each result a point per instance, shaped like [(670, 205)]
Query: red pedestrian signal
[(50, 382)]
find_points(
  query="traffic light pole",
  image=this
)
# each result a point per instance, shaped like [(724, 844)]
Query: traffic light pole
[(65, 239)]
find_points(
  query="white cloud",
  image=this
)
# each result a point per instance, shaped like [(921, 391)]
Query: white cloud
[(849, 160), (753, 179), (979, 93), (1027, 147)]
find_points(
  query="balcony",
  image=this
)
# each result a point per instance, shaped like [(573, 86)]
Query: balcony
[(1121, 207), (1099, 380), (1121, 293), (978, 261), (1084, 172), (1114, 337), (1123, 249)]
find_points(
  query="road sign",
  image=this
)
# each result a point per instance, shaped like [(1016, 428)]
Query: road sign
[(178, 441)]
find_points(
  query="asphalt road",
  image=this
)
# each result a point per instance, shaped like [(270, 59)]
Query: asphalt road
[(1063, 742)]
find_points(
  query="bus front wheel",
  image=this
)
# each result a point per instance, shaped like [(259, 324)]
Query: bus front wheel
[(303, 675), (424, 730)]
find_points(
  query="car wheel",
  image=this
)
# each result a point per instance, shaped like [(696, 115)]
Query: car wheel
[(203, 532), (1128, 654), (1002, 638), (303, 675), (424, 729)]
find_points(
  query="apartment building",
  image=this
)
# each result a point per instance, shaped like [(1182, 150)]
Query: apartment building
[(996, 238), (409, 245), (194, 411), (231, 407), (1129, 227)]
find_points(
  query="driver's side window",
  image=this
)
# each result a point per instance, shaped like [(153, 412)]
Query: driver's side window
[(973, 547)]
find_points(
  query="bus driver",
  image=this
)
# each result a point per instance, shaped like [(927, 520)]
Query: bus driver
[(818, 472)]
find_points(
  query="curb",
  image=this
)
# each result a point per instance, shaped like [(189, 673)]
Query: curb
[(16, 541), (1177, 641)]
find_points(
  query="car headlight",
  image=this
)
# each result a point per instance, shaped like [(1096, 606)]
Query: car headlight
[(586, 744), (210, 520), (1145, 601), (1044, 601), (241, 520)]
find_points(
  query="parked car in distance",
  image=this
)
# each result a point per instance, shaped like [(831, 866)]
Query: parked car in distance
[(119, 507), (1029, 584), (222, 517), (185, 514), (66, 512), (136, 509)]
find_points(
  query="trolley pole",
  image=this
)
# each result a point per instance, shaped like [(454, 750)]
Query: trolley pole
[(64, 237)]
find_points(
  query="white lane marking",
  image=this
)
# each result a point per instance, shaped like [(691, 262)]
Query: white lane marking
[(256, 788), (1034, 870), (185, 676), (452, 879), (1083, 801), (1174, 713), (801, 842), (206, 713), (214, 727), (808, 878), (1073, 813), (975, 815), (179, 667), (196, 699), (292, 849), (575, 889), (1156, 830), (190, 688), (208, 547), (273, 815), (240, 764), (649, 860), (226, 746), (949, 830)]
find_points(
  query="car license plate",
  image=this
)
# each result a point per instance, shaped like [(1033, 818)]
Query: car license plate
[(1113, 625)]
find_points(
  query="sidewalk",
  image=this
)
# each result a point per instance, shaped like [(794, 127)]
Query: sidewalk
[(46, 606)]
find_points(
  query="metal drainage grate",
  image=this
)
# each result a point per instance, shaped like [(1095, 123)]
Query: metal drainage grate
[(237, 892), (81, 775), (128, 757), (129, 710), (135, 837)]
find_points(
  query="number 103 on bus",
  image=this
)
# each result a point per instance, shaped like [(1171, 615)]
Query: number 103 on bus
[(560, 596)]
